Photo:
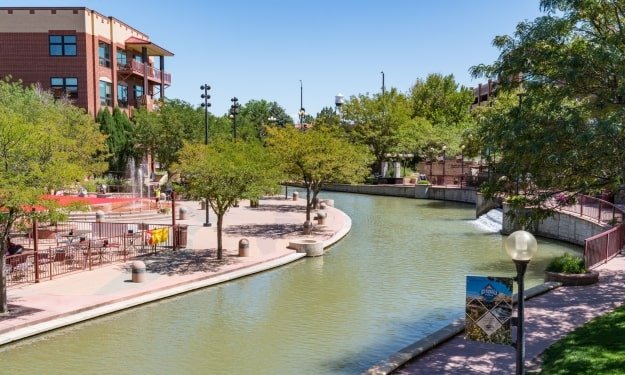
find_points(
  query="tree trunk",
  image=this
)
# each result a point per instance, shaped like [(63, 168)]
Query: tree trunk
[(3, 281), (308, 203), (220, 220)]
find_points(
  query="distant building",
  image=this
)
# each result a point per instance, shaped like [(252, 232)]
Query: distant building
[(94, 60), (483, 93)]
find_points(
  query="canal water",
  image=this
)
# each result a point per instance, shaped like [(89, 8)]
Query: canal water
[(398, 276)]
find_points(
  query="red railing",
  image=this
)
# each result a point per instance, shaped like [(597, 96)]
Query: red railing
[(596, 209), (604, 246), (139, 68), (94, 245)]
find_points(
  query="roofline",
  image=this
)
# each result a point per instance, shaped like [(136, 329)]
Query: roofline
[(77, 8)]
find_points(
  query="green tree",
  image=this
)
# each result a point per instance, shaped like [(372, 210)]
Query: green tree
[(45, 145), (120, 138), (567, 132), (163, 131), (225, 172), (327, 117), (254, 118), (317, 157), (377, 121)]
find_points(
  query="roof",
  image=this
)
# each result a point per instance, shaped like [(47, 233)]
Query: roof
[(137, 44)]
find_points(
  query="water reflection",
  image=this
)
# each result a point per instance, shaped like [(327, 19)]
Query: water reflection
[(398, 276)]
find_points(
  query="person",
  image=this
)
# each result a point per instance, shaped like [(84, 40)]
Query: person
[(15, 248), (157, 197)]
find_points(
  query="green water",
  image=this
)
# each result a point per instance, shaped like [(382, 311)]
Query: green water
[(399, 275)]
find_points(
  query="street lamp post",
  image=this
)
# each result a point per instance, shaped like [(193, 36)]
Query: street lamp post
[(444, 152), (234, 111), (272, 119), (431, 161), (206, 104), (521, 246), (461, 165), (302, 111)]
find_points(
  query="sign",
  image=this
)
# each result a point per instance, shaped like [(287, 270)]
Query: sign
[(488, 309)]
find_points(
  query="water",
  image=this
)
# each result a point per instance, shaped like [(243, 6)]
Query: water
[(399, 275)]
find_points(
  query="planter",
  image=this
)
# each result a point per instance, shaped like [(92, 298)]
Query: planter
[(573, 279)]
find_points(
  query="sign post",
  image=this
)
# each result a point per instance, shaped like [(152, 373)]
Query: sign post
[(489, 309)]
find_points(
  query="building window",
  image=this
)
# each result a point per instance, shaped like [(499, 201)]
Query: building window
[(138, 58), (62, 45), (122, 96), (67, 86), (106, 97), (138, 92), (104, 54), (121, 58)]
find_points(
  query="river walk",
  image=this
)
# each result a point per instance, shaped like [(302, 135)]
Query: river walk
[(38, 308)]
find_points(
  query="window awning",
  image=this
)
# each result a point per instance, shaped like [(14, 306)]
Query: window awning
[(153, 49)]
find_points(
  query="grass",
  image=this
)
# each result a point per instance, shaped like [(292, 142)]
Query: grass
[(596, 348)]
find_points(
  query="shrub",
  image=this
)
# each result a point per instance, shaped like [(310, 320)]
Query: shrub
[(423, 182), (566, 263)]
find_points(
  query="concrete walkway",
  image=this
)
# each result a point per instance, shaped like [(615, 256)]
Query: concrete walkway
[(549, 317), (65, 300)]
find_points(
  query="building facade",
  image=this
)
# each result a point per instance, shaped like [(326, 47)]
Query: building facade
[(95, 60)]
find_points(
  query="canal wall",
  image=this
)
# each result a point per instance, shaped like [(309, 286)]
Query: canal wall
[(560, 226), (409, 191)]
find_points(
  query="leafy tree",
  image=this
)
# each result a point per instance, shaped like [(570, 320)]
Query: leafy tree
[(163, 132), (254, 118), (45, 144), (567, 133), (378, 121), (120, 134), (226, 172), (317, 157), (327, 117)]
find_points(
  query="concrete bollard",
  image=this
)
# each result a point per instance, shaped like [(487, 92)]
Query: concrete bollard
[(138, 271), (321, 218), (99, 216), (295, 195), (202, 204), (322, 205), (244, 248), (182, 213), (308, 226)]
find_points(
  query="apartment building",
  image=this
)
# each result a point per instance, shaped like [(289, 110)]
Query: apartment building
[(95, 60)]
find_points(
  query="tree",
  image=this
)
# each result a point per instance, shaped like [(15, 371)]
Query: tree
[(254, 118), (567, 131), (317, 157), (45, 144), (226, 172), (327, 117), (120, 135), (377, 121), (163, 132)]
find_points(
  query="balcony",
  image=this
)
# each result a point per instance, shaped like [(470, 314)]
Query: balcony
[(135, 67)]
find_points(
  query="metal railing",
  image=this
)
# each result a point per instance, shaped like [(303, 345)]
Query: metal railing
[(604, 246), (596, 209), (83, 246), (139, 68)]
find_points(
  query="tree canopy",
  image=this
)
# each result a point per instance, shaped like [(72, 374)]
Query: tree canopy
[(566, 131)]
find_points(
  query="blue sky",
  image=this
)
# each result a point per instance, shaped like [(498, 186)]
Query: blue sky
[(262, 49)]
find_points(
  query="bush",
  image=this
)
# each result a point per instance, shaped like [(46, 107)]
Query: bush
[(423, 182), (566, 264)]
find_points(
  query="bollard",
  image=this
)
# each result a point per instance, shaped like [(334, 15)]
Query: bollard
[(202, 204), (138, 271), (295, 195), (315, 203), (308, 227), (99, 216), (321, 218), (244, 248), (322, 205), (182, 213)]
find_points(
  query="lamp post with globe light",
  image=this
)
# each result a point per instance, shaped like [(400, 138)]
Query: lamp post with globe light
[(521, 246)]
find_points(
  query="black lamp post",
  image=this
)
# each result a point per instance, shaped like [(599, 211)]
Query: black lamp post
[(461, 165), (431, 161), (444, 152), (521, 246), (302, 111), (383, 87), (206, 104), (234, 111)]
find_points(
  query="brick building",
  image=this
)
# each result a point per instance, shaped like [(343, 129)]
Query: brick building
[(94, 59)]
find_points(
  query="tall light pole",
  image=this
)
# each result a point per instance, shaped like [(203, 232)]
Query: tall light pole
[(383, 87), (302, 111), (234, 111), (206, 104), (521, 246), (444, 151), (461, 165)]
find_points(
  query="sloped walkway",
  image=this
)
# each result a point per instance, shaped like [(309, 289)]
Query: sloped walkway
[(549, 317)]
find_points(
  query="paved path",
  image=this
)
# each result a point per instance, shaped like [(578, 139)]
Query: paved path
[(549, 317), (37, 308)]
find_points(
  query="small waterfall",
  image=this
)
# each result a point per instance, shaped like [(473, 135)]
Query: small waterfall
[(131, 173), (491, 221)]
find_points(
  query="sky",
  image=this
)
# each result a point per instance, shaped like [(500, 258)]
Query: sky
[(262, 49)]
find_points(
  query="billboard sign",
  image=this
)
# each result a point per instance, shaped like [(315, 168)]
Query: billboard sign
[(489, 309)]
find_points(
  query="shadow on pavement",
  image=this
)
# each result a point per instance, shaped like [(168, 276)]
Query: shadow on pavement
[(264, 230), (184, 262), (16, 311), (278, 208)]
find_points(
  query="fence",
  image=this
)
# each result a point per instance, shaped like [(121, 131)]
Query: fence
[(80, 246), (603, 246)]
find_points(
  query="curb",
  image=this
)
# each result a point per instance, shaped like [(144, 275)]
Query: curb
[(431, 341)]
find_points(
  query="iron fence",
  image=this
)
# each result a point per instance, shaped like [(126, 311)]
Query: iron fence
[(604, 246), (596, 209)]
